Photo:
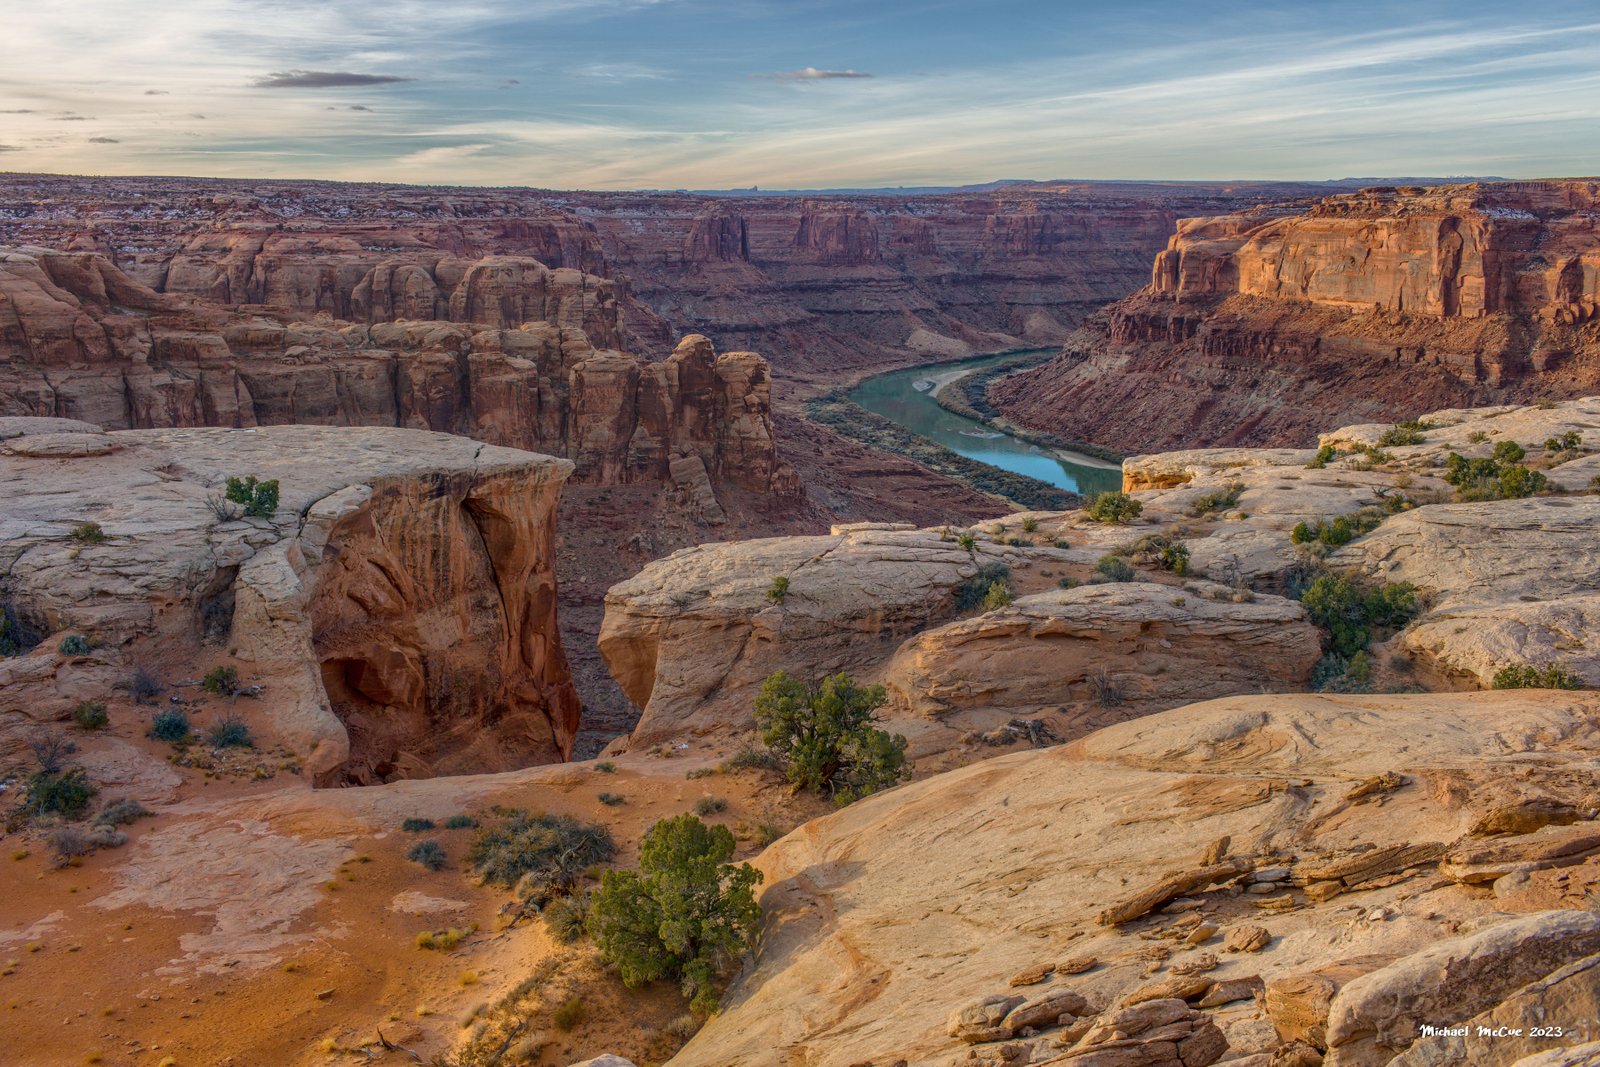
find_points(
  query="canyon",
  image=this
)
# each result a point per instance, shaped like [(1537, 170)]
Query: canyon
[(1369, 306)]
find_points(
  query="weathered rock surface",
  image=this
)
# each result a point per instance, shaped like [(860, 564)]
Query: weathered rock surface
[(1154, 646), (1015, 855), (398, 608), (1263, 330)]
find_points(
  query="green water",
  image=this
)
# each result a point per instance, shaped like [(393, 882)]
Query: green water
[(895, 397)]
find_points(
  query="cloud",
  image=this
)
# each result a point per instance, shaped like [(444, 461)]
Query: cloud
[(359, 107), (812, 74), (9, 148), (17, 111), (442, 155), (104, 140), (323, 79), (72, 118), (156, 92)]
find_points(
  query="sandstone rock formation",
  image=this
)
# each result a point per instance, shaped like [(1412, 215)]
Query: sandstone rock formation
[(1374, 305), (398, 609)]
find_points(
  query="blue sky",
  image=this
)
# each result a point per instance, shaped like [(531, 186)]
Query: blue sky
[(616, 94)]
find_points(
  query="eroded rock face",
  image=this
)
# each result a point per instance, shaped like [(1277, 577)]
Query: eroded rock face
[(1148, 646), (398, 608), (1369, 306), (519, 367)]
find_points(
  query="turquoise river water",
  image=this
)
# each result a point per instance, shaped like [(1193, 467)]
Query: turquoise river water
[(906, 397)]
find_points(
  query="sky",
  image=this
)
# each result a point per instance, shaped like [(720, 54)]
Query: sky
[(722, 94)]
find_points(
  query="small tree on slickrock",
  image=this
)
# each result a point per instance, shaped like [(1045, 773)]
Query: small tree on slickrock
[(825, 735), (686, 914)]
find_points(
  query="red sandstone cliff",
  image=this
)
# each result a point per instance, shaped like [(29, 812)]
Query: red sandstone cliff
[(1370, 306)]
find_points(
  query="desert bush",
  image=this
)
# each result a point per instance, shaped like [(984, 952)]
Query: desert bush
[(1405, 433), (566, 917), (460, 822), (442, 940), (1068, 582), (568, 1015), (74, 645), (998, 596), (230, 731), (429, 853), (170, 725), (1490, 479), (766, 833), (968, 541), (50, 748), (542, 856), (605, 766), (1216, 500), (88, 533), (752, 758), (143, 686), (611, 800), (1348, 613), (1551, 675), (825, 736), (1570, 441), (970, 594), (685, 915), (1161, 550), (699, 772), (1325, 455), (1113, 568), (223, 680), (1115, 507), (1030, 524), (68, 843), (258, 499), (1107, 693), (1508, 452), (779, 589), (121, 812), (709, 806), (64, 792), (90, 714), (416, 825)]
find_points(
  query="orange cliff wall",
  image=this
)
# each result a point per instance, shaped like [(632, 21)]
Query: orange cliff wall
[(1369, 306)]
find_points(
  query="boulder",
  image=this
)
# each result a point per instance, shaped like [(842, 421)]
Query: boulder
[(1155, 1033), (985, 1019)]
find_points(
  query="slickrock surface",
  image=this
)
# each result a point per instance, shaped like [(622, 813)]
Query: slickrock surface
[(1374, 305), (398, 609), (889, 916)]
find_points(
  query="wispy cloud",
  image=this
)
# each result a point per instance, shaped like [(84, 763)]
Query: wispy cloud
[(104, 140), (324, 79), (812, 74)]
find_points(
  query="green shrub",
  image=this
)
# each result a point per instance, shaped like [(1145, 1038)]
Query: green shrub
[(1360, 669), (258, 499), (89, 533), (74, 645), (1567, 442), (1477, 437), (1550, 675), (1404, 433), (429, 853), (230, 731), (998, 596), (779, 589), (1516, 482), (1114, 568), (1114, 507), (569, 1015), (222, 680), (460, 822), (752, 758), (170, 725), (1068, 582), (1490, 479), (968, 541), (1216, 500), (1508, 452), (1325, 455), (90, 714), (416, 825), (1348, 613), (706, 806), (971, 594), (605, 766), (685, 915), (1174, 557), (1329, 669), (547, 854), (825, 736), (59, 792), (1030, 524), (565, 918)]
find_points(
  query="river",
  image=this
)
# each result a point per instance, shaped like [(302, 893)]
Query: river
[(895, 396)]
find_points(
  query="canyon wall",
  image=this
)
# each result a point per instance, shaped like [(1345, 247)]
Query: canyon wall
[(395, 614), (1373, 305)]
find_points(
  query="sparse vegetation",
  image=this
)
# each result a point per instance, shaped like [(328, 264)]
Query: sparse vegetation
[(1325, 455), (62, 791), (90, 715), (968, 541), (1405, 433), (257, 499), (460, 822), (170, 725), (1107, 693), (442, 940), (1570, 441), (1492, 478), (89, 533), (1163, 551), (751, 758), (416, 825), (541, 856), (223, 680), (1508, 452), (825, 736), (779, 589), (972, 593), (699, 772), (685, 915), (612, 800), (74, 645), (1551, 675), (1341, 529), (1030, 524), (1349, 613), (429, 854), (230, 731), (997, 597), (707, 806), (143, 686), (1115, 507), (565, 917), (1114, 568), (1217, 500), (605, 766), (569, 1015), (121, 812), (1477, 437)]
